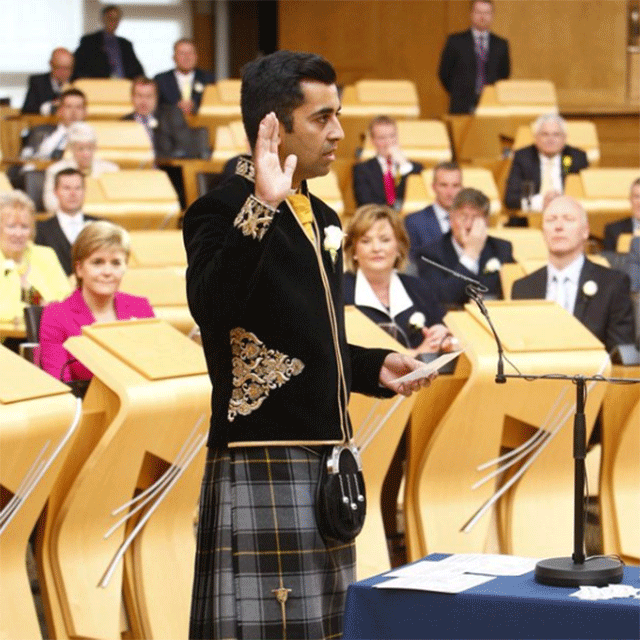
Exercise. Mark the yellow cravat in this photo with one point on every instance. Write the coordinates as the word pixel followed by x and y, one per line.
pixel 185 90
pixel 302 208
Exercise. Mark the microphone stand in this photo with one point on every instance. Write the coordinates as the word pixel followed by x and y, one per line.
pixel 576 570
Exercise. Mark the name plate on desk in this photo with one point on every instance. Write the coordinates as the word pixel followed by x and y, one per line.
pixel 151 347
pixel 536 325
pixel 20 380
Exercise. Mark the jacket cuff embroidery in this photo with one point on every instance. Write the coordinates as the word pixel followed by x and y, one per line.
pixel 256 370
pixel 254 218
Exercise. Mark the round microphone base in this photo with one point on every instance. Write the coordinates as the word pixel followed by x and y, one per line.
pixel 564 572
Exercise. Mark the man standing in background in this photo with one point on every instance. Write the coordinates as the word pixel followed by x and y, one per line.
pixel 472 59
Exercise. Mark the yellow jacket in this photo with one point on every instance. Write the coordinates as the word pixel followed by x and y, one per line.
pixel 45 274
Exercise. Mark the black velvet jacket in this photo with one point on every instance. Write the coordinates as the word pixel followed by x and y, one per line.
pixel 269 306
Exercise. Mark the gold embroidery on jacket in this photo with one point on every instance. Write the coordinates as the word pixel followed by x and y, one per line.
pixel 256 371
pixel 254 218
pixel 246 169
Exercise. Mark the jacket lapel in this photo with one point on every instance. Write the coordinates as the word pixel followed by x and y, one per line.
pixel 582 301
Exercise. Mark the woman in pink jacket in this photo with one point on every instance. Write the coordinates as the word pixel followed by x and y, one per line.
pixel 99 256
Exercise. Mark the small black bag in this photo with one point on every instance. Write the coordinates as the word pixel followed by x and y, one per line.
pixel 341 502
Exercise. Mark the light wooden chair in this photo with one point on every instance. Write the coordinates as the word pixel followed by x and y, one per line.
pixel 418 191
pixel 528 244
pixel 467 418
pixel 106 97
pixel 37 429
pixel 231 141
pixel 145 423
pixel 580 133
pixel 166 290
pixel 124 142
pixel 378 426
pixel 603 192
pixel 135 199
pixel 327 189
pixel 623 245
pixel 5 185
pixel 620 468
pixel 425 141
pixel 157 249
pixel 518 98
pixel 221 98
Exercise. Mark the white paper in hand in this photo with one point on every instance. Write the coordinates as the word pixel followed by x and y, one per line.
pixel 428 369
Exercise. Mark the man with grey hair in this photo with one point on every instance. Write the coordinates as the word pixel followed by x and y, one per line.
pixel 81 143
pixel 597 296
pixel 539 170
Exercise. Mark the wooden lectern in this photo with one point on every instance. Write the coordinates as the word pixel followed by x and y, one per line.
pixel 36 432
pixel 469 419
pixel 378 426
pixel 145 425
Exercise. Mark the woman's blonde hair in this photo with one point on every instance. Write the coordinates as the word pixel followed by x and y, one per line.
pixel 363 219
pixel 16 202
pixel 100 234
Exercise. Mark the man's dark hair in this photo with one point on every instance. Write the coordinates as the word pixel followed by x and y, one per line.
pixel 111 7
pixel 272 83
pixel 69 171
pixel 73 92
pixel 472 197
pixel 448 165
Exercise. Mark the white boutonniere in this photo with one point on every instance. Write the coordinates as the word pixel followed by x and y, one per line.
pixel 493 266
pixel 590 288
pixel 9 265
pixel 333 241
pixel 198 87
pixel 417 320
pixel 152 122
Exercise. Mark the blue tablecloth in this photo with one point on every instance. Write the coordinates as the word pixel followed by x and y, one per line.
pixel 511 607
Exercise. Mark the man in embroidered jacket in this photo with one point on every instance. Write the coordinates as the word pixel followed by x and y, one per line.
pixel 267 297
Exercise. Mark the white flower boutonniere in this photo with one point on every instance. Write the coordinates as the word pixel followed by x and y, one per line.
pixel 493 266
pixel 417 320
pixel 152 122
pixel 198 87
pixel 333 241
pixel 590 288
pixel 9 265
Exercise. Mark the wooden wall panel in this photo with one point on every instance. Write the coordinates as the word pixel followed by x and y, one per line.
pixel 579 44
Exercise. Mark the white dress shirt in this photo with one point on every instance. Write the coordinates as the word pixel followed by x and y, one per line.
pixel 465 260
pixel 71 224
pixel 365 296
pixel 402 169
pixel 562 286
pixel 537 200
pixel 442 216
pixel 185 83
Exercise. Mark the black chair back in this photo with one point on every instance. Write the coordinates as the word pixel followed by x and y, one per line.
pixel 200 144
pixel 32 315
pixel 34 187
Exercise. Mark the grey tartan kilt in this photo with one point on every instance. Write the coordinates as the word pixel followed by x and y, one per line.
pixel 258 544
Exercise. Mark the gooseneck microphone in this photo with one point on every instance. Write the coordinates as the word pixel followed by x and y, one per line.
pixel 474 290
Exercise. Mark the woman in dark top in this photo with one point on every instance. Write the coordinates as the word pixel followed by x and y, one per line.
pixel 376 246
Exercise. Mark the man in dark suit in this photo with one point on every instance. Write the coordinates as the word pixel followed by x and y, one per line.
pixel 429 224
pixel 539 170
pixel 466 249
pixel 184 85
pixel 382 179
pixel 43 94
pixel 102 54
pixel 60 231
pixel 165 124
pixel 597 296
pixel 473 58
pixel 627 225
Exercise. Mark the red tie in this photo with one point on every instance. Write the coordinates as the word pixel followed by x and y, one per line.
pixel 389 183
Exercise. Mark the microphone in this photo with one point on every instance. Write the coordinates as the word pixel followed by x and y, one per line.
pixel 474 290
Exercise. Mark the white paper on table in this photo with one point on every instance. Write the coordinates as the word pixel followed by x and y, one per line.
pixel 440 582
pixel 429 368
pixel 491 564
pixel 420 568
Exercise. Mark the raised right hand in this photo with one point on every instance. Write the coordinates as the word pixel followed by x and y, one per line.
pixel 273 182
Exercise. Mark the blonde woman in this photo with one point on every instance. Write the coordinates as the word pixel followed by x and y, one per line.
pixel 99 256
pixel 29 273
